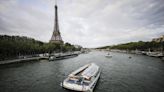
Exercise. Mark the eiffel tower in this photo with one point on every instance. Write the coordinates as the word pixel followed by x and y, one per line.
pixel 56 37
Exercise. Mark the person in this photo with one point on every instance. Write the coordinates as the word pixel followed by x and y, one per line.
pixel 80 80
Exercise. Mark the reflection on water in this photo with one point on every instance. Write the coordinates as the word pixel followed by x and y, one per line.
pixel 119 74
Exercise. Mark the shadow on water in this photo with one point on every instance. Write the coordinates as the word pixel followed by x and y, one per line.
pixel 19 64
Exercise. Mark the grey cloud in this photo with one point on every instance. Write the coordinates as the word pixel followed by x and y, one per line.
pixel 27 21
pixel 146 12
pixel 89 23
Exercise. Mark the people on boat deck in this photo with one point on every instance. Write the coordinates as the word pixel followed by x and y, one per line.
pixel 80 80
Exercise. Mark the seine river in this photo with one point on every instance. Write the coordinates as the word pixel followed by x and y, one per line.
pixel 118 74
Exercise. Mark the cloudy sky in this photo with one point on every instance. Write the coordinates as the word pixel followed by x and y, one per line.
pixel 90 23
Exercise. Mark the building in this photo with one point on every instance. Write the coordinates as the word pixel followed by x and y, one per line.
pixel 77 46
pixel 56 37
pixel 160 39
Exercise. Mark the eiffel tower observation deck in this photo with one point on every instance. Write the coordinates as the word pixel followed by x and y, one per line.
pixel 56 37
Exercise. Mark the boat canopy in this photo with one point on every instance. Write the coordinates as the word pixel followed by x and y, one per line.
pixel 90 71
pixel 78 70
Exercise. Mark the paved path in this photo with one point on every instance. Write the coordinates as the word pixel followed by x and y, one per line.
pixel 21 60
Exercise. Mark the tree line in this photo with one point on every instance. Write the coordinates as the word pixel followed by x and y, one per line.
pixel 14 46
pixel 143 46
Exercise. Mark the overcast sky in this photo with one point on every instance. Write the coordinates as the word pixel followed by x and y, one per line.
pixel 90 23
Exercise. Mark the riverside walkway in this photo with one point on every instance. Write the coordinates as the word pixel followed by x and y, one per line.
pixel 21 60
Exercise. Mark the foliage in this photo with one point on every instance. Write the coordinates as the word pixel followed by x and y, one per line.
pixel 14 46
pixel 137 45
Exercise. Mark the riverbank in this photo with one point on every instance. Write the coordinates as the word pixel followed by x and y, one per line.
pixel 22 60
pixel 56 56
pixel 148 53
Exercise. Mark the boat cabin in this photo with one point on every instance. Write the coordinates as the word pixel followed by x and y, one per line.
pixel 84 75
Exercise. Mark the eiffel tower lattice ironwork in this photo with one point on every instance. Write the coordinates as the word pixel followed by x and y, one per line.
pixel 56 37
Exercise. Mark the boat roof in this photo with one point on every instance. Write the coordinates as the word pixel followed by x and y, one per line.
pixel 75 72
pixel 90 71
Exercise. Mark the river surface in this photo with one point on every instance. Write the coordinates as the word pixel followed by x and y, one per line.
pixel 118 74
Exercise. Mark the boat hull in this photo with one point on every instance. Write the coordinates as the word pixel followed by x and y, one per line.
pixel 62 57
pixel 108 56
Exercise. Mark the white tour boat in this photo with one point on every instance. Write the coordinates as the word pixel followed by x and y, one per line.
pixel 108 55
pixel 83 79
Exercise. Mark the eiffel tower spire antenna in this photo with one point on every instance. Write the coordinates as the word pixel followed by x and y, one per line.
pixel 55 2
pixel 56 37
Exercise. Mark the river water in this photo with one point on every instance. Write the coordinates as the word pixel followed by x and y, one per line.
pixel 118 74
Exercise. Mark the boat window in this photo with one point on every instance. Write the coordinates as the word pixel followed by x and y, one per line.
pixel 80 80
pixel 71 81
pixel 85 83
pixel 97 73
pixel 90 71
